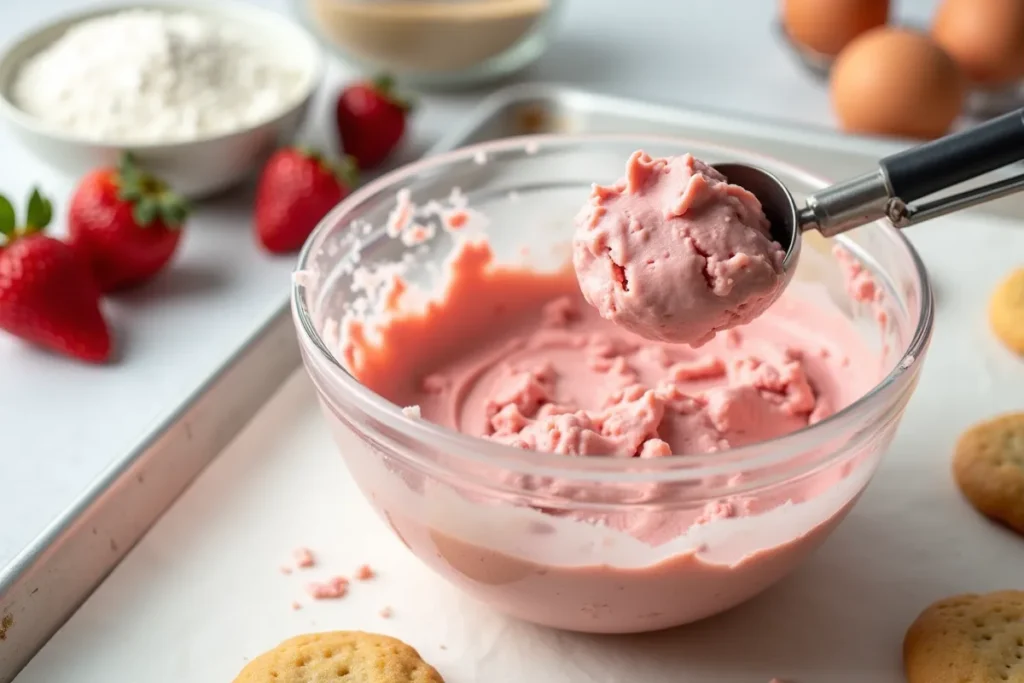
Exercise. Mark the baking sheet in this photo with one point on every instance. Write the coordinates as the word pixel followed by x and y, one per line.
pixel 202 593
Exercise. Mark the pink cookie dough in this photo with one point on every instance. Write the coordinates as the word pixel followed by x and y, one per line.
pixel 517 357
pixel 673 252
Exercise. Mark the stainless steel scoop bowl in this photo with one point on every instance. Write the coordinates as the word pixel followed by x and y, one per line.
pixel 889 190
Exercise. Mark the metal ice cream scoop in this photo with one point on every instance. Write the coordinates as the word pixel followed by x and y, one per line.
pixel 887 192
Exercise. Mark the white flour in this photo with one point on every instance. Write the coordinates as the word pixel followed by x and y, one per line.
pixel 154 76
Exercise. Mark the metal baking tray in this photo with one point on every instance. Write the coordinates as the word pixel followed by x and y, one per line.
pixel 48 582
pixel 537 108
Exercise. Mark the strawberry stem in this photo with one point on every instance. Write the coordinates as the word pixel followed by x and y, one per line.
pixel 384 84
pixel 38 216
pixel 346 170
pixel 151 198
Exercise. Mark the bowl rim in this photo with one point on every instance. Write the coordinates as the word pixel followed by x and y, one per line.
pixel 268 20
pixel 482 452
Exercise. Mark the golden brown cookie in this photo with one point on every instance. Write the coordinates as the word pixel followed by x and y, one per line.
pixel 1006 311
pixel 968 638
pixel 340 657
pixel 988 466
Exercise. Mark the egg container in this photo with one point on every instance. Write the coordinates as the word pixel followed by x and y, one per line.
pixel 980 103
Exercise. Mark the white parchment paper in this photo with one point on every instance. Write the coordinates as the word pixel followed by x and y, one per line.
pixel 202 593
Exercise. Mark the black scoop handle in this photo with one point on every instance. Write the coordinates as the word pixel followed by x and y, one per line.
pixel 948 161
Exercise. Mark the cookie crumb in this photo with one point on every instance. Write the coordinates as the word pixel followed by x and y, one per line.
pixel 385 613
pixel 304 558
pixel 296 606
pixel 332 589
pixel 5 625
pixel 365 573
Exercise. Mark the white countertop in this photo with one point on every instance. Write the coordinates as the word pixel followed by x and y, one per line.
pixel 62 423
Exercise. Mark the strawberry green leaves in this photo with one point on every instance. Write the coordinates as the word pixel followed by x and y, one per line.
pixel 7 218
pixel 151 199
pixel 40 212
pixel 38 216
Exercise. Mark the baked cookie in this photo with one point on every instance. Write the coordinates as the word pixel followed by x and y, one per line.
pixel 1006 311
pixel 340 657
pixel 988 466
pixel 973 638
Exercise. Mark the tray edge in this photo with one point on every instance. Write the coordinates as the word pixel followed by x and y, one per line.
pixel 47 582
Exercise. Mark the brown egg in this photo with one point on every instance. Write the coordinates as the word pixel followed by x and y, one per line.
pixel 985 36
pixel 898 82
pixel 827 26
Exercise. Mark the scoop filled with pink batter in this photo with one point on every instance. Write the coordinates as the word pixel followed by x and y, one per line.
pixel 673 252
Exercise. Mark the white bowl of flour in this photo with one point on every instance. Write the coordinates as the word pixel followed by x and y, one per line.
pixel 200 91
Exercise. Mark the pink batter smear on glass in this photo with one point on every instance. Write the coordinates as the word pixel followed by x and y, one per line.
pixel 517 357
pixel 673 252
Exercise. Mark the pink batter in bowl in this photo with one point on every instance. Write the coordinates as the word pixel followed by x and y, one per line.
pixel 551 538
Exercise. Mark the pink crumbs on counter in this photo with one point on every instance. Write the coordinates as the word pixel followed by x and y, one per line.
pixel 296 606
pixel 365 573
pixel 332 589
pixel 303 558
pixel 385 613
pixel 457 220
pixel 285 570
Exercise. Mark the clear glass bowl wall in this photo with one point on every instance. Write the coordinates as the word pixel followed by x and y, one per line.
pixel 438 43
pixel 459 503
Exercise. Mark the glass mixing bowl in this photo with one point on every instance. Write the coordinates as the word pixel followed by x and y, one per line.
pixel 460 504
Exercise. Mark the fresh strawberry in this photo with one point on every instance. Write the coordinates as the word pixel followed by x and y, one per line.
pixel 47 294
pixel 371 120
pixel 126 222
pixel 296 189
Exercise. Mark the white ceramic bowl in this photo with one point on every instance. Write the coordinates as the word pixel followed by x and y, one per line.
pixel 195 168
